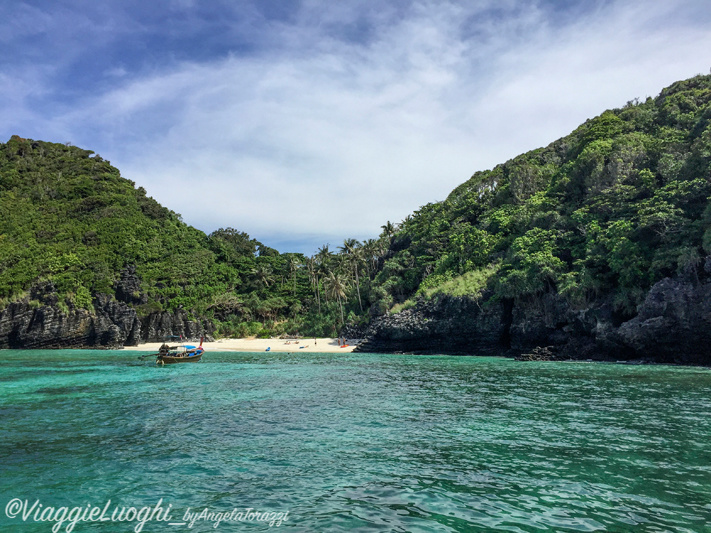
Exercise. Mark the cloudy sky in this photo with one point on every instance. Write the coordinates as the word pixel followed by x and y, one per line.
pixel 307 122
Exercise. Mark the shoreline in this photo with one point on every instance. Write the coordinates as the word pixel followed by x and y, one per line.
pixel 318 345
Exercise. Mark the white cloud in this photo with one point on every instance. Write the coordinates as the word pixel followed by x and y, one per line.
pixel 334 129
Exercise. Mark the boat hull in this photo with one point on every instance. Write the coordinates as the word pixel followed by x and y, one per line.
pixel 171 360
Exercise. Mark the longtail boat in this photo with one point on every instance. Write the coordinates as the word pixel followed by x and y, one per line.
pixel 168 355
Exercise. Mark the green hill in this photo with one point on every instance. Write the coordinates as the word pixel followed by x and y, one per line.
pixel 610 209
pixel 596 245
pixel 70 219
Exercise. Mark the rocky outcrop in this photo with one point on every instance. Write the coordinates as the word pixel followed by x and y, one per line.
pixel 672 325
pixel 540 353
pixel 128 287
pixel 549 321
pixel 157 326
pixel 444 325
pixel 40 322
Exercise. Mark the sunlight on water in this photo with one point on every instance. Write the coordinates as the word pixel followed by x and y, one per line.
pixel 361 442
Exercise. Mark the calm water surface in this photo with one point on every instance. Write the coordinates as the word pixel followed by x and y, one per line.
pixel 354 442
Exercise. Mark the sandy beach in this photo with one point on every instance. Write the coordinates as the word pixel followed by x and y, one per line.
pixel 324 345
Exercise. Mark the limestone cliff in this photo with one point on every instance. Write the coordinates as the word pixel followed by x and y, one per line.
pixel 38 321
pixel 673 325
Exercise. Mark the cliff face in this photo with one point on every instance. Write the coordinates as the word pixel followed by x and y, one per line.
pixel 673 325
pixel 157 326
pixel 23 325
pixel 39 322
pixel 448 325
pixel 112 325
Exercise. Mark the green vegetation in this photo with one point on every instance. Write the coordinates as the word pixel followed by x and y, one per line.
pixel 605 212
pixel 69 217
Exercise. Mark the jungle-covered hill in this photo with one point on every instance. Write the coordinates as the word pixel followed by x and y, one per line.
pixel 598 242
pixel 585 227
pixel 610 209
pixel 68 219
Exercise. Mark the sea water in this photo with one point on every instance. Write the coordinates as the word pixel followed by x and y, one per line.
pixel 351 442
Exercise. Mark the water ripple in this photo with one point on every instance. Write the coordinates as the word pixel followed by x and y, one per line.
pixel 365 442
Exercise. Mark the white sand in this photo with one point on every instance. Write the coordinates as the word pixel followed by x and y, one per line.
pixel 261 345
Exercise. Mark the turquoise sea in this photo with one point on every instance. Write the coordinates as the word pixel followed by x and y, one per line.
pixel 352 442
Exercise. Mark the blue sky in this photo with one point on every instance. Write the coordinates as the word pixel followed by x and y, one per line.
pixel 308 122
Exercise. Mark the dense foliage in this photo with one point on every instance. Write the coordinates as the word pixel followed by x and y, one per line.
pixel 605 212
pixel 69 218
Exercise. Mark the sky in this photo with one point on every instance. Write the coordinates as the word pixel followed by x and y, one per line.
pixel 306 122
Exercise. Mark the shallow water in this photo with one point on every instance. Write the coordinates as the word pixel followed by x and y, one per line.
pixel 359 442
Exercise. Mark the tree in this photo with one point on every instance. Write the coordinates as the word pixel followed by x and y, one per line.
pixel 336 285
pixel 323 260
pixel 389 229
pixel 352 251
pixel 263 274
pixel 293 265
pixel 314 280
pixel 372 251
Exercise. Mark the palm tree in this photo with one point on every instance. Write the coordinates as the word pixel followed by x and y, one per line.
pixel 323 256
pixel 371 252
pixel 313 279
pixel 293 265
pixel 336 285
pixel 263 274
pixel 323 260
pixel 389 229
pixel 351 249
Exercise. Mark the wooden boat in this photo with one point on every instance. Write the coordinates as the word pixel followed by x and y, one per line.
pixel 168 355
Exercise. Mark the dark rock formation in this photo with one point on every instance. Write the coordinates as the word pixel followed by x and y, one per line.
pixel 39 322
pixel 673 325
pixel 157 326
pixel 541 353
pixel 351 331
pixel 549 321
pixel 25 325
pixel 444 325
pixel 128 288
